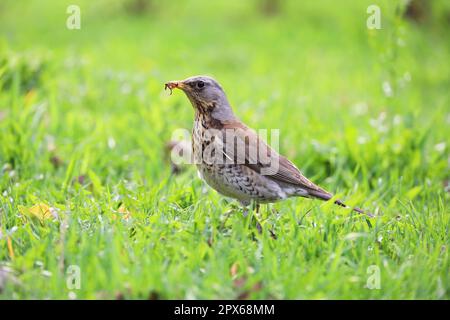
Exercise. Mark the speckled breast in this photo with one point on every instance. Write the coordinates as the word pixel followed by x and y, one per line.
pixel 232 180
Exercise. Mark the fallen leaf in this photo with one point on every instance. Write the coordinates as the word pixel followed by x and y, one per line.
pixel 41 211
pixel 240 282
pixel 234 269
pixel 56 161
pixel 154 295
pixel 123 211
pixel 246 293
pixel 120 296
pixel 10 248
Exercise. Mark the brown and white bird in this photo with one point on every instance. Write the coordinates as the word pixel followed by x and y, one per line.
pixel 232 158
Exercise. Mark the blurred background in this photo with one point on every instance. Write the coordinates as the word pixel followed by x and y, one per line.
pixel 84 122
pixel 311 68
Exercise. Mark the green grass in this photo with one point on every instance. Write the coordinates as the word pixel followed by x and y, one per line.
pixel 93 100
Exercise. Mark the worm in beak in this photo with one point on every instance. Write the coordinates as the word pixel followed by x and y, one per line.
pixel 171 85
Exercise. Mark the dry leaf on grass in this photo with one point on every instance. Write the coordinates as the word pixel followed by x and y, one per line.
pixel 241 282
pixel 123 211
pixel 10 247
pixel 40 211
pixel 234 269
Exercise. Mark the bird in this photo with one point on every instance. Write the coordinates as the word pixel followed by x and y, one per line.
pixel 233 159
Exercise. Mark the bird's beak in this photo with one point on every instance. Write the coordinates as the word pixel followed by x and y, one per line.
pixel 174 84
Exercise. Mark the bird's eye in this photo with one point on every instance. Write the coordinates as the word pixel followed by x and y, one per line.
pixel 200 84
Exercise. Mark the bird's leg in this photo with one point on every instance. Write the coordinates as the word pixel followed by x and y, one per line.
pixel 259 227
pixel 256 216
pixel 245 209
pixel 227 215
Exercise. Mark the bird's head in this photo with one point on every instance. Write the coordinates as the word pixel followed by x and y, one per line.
pixel 206 95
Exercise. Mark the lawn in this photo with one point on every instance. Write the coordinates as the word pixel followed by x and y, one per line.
pixel 89 207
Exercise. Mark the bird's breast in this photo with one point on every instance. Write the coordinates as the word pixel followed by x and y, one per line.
pixel 203 137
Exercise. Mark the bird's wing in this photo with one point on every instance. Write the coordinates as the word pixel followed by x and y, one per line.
pixel 261 158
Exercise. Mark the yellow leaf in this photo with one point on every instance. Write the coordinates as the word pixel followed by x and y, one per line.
pixel 234 269
pixel 123 210
pixel 41 211
pixel 10 248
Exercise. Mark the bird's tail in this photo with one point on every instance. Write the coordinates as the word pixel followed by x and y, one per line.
pixel 323 195
pixel 356 209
